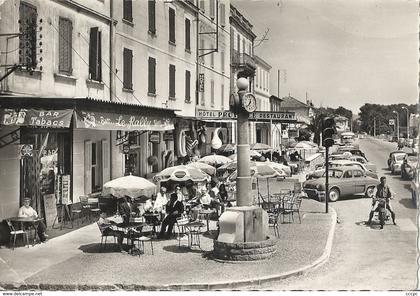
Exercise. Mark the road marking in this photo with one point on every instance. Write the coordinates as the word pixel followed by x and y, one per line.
pixel 406 225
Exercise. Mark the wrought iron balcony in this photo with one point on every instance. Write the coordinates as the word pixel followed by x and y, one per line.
pixel 245 62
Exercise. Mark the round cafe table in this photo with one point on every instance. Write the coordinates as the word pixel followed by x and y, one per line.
pixel 206 213
pixel 27 222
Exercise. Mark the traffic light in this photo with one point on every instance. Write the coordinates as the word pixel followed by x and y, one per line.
pixel 328 130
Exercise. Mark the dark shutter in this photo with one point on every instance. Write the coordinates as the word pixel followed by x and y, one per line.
pixel 212 93
pixel 93 42
pixel 187 34
pixel 128 10
pixel 27 41
pixel 171 25
pixel 152 76
pixel 128 68
pixel 222 61
pixel 222 15
pixel 202 4
pixel 172 81
pixel 187 86
pixel 99 57
pixel 222 96
pixel 152 16
pixel 212 8
pixel 65 46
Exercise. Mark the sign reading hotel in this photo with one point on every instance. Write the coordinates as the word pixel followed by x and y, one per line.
pixel 257 116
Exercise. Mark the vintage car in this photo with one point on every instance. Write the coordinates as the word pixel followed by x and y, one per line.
pixel 397 159
pixel 390 157
pixel 415 187
pixel 408 166
pixel 352 150
pixel 369 165
pixel 338 163
pixel 343 181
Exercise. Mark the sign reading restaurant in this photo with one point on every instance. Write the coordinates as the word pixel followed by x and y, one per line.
pixel 258 115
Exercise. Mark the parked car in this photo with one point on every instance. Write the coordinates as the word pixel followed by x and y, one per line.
pixel 369 165
pixel 415 187
pixel 352 150
pixel 408 166
pixel 343 181
pixel 397 160
pixel 390 157
pixel 338 163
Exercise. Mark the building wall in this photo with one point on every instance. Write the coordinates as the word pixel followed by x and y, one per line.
pixel 49 82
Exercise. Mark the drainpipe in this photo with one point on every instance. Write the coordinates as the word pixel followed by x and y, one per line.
pixel 111 75
pixel 197 93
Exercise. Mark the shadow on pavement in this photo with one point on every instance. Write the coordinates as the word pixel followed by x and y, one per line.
pixel 96 248
pixel 182 249
pixel 407 202
pixel 373 225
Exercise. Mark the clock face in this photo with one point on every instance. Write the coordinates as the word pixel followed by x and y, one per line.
pixel 249 103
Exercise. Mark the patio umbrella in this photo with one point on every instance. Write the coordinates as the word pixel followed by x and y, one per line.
pixel 132 186
pixel 227 148
pixel 181 173
pixel 215 160
pixel 260 146
pixel 261 170
pixel 252 153
pixel 208 169
pixel 305 145
pixel 286 169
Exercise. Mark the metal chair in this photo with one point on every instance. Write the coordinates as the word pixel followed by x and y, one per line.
pixel 103 235
pixel 182 233
pixel 140 238
pixel 273 221
pixel 14 233
pixel 291 207
pixel 75 212
pixel 93 203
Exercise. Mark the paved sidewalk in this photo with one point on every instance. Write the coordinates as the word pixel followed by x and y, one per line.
pixel 72 261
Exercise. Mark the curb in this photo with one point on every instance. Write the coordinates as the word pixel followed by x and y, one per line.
pixel 189 286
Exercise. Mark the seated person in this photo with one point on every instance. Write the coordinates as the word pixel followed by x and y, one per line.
pixel 208 202
pixel 174 210
pixel 126 209
pixel 179 193
pixel 153 206
pixel 223 194
pixel 106 228
pixel 27 211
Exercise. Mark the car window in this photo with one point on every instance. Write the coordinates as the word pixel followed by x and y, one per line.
pixel 334 174
pixel 399 157
pixel 357 174
pixel 361 160
pixel 347 174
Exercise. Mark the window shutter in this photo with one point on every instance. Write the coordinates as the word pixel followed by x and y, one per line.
pixel 99 57
pixel 152 16
pixel 202 51
pixel 212 93
pixel 128 68
pixel 222 15
pixel 212 59
pixel 172 81
pixel 187 34
pixel 222 61
pixel 152 76
pixel 105 162
pixel 93 49
pixel 222 95
pixel 28 16
pixel 65 46
pixel 88 166
pixel 212 9
pixel 187 86
pixel 171 25
pixel 202 4
pixel 128 10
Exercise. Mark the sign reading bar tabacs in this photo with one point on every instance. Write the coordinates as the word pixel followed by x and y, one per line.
pixel 257 116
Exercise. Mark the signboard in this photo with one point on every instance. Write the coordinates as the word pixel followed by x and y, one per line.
pixel 36 117
pixel 257 116
pixel 201 82
pixel 26 150
pixel 392 122
pixel 168 136
pixel 154 138
pixel 118 121
pixel 50 208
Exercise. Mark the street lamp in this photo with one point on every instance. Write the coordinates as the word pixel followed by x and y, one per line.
pixel 408 123
pixel 398 125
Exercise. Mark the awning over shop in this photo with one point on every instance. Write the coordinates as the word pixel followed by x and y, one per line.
pixel 57 118
pixel 122 121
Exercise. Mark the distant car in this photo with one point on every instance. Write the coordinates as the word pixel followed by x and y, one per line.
pixel 352 150
pixel 415 187
pixel 343 181
pixel 338 163
pixel 390 157
pixel 369 165
pixel 409 166
pixel 397 160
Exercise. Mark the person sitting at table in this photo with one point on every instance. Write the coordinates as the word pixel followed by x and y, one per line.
pixel 223 194
pixel 174 210
pixel 126 209
pixel 153 206
pixel 107 229
pixel 179 194
pixel 208 201
pixel 162 199
pixel 27 211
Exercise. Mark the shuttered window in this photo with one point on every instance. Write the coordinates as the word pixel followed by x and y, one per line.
pixel 171 25
pixel 212 8
pixel 222 61
pixel 95 54
pixel 222 14
pixel 152 16
pixel 212 93
pixel 172 81
pixel 202 51
pixel 27 41
pixel 65 46
pixel 128 10
pixel 238 46
pixel 222 96
pixel 212 59
pixel 128 68
pixel 152 76
pixel 202 4
pixel 88 167
pixel 187 86
pixel 243 46
pixel 187 34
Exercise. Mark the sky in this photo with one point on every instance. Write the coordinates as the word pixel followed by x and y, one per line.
pixel 340 52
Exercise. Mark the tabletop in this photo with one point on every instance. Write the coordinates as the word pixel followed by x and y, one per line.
pixel 25 219
pixel 206 212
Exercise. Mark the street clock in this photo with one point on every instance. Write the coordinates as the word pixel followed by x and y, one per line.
pixel 234 103
pixel 249 103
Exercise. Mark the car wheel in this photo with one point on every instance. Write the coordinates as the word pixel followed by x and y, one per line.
pixel 333 195
pixel 369 191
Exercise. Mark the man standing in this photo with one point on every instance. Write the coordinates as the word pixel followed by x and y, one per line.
pixel 382 192
pixel 27 211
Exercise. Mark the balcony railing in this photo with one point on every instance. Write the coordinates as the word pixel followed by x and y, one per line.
pixel 243 60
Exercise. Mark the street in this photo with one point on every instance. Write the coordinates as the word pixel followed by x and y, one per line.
pixel 364 257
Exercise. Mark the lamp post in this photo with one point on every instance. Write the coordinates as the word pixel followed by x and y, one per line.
pixel 398 125
pixel 408 123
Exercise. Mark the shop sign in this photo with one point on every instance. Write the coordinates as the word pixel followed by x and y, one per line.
pixel 26 150
pixel 154 138
pixel 168 136
pixel 36 117
pixel 201 82
pixel 257 116
pixel 126 148
pixel 118 121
